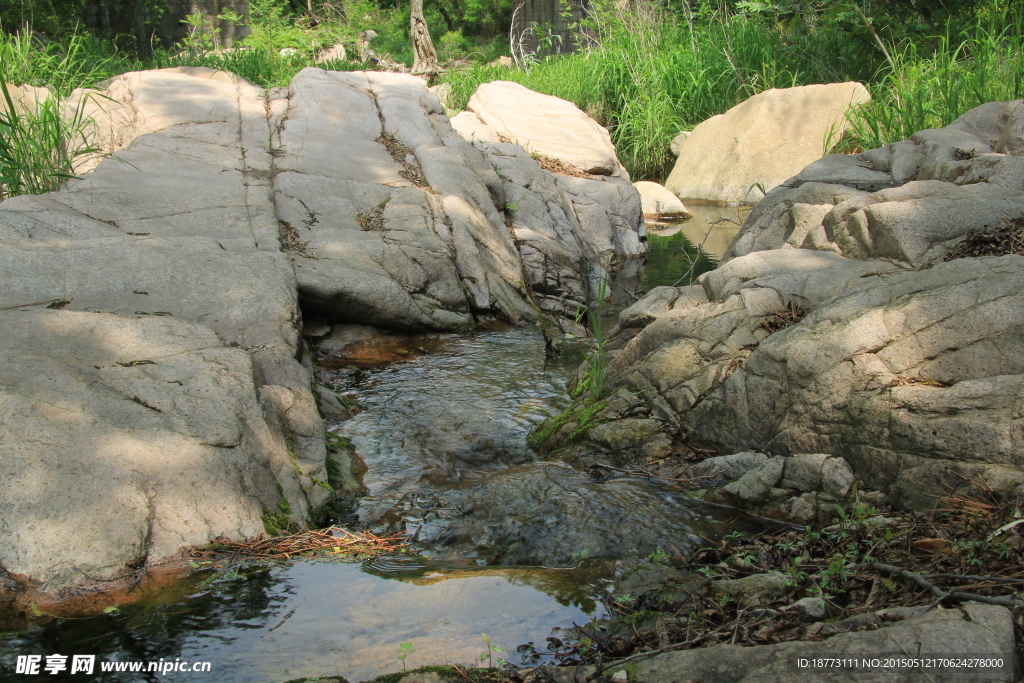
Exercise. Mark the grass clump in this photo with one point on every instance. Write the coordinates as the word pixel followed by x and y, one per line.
pixel 39 144
pixel 929 84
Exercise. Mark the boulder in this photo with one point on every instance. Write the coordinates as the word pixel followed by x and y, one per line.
pixel 818 472
pixel 761 141
pixel 605 208
pixel 909 202
pixel 121 241
pixel 898 371
pixel 676 146
pixel 753 590
pixel 127 439
pixel 889 371
pixel 336 52
pixel 392 215
pixel 754 485
pixel 541 124
pixel 659 204
pixel 973 628
pixel 26 98
pixel 729 466
pixel 562 262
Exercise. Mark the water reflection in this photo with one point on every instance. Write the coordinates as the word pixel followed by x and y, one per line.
pixel 711 225
pixel 316 618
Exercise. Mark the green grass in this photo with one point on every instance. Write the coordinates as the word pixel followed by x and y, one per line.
pixel 648 75
pixel 62 65
pixel 978 62
pixel 39 144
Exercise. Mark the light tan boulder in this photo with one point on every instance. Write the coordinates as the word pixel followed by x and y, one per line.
pixel 761 142
pixel 26 98
pixel 542 124
pixel 334 53
pixel 659 204
pixel 910 201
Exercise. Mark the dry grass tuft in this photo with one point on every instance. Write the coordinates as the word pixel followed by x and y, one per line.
pixel 1007 239
pixel 334 539
pixel 787 317
pixel 373 219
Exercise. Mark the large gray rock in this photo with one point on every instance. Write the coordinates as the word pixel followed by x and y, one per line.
pixel 121 240
pixel 761 141
pixel 562 262
pixel 909 202
pixel 503 111
pixel 974 629
pixel 807 352
pixel 897 371
pixel 396 211
pixel 818 472
pixel 591 183
pixel 755 484
pixel 686 351
pixel 127 439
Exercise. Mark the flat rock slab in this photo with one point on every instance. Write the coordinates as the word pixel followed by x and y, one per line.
pixel 974 631
pixel 126 439
pixel 174 232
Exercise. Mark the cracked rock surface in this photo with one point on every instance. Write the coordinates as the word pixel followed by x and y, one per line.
pixel 835 325
pixel 152 394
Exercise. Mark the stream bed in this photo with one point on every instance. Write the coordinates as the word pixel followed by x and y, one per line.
pixel 506 544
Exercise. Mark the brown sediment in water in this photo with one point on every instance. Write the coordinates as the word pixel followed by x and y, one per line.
pixel 22 608
pixel 384 348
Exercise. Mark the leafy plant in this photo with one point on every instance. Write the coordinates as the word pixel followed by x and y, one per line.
pixel 404 650
pixel 489 652
pixel 659 556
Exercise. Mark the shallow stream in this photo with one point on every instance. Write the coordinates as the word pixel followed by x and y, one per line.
pixel 508 545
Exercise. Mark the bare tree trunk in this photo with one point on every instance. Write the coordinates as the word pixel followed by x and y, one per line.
pixel 425 58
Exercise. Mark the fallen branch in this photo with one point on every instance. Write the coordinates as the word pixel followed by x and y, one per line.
pixel 333 538
pixel 940 594
pixel 974 577
pixel 643 474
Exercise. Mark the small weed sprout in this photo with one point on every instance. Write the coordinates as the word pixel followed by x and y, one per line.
pixel 404 650
pixel 489 652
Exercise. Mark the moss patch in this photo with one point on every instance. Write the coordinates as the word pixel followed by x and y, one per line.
pixel 450 672
pixel 582 414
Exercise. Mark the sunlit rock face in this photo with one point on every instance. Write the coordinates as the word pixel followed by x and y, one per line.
pixel 126 439
pixel 212 209
pixel 854 321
